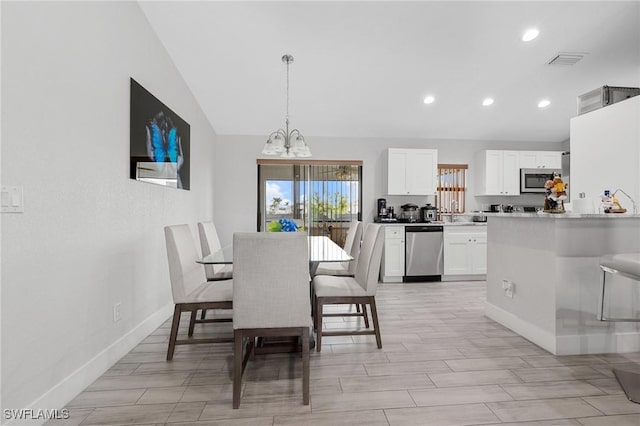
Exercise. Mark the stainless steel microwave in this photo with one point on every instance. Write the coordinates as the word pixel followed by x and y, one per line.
pixel 532 180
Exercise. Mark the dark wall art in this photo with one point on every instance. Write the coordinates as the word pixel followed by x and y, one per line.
pixel 159 141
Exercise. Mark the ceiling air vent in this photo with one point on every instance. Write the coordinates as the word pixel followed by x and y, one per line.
pixel 566 59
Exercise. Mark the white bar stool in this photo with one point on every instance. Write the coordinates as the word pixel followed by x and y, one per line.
pixel 626 265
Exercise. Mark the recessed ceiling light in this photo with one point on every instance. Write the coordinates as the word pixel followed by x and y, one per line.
pixel 429 99
pixel 530 34
pixel 487 102
pixel 544 103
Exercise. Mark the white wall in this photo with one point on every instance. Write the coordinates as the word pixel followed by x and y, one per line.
pixel 236 173
pixel 605 152
pixel 89 235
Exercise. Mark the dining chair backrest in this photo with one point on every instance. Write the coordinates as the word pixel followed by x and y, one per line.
pixel 209 243
pixel 352 244
pixel 368 267
pixel 351 235
pixel 270 280
pixel 186 275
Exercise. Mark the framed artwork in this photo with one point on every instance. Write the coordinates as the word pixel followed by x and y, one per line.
pixel 159 141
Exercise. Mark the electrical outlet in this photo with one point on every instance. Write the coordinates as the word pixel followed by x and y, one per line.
pixel 505 284
pixel 117 314
pixel 509 290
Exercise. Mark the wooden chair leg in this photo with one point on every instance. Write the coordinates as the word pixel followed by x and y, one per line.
pixel 315 313
pixel 251 346
pixel 237 367
pixel 192 321
pixel 357 307
pixel 365 315
pixel 204 314
pixel 305 365
pixel 174 332
pixel 319 324
pixel 374 316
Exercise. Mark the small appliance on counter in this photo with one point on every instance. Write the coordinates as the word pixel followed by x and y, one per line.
pixel 479 217
pixel 409 213
pixel 428 213
pixel 382 208
pixel 384 214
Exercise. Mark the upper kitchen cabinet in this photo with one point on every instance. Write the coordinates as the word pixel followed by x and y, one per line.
pixel 412 171
pixel 540 159
pixel 497 173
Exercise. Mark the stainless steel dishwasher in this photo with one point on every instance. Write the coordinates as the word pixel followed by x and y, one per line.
pixel 424 247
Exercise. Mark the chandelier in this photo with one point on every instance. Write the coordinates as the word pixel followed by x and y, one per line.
pixel 283 142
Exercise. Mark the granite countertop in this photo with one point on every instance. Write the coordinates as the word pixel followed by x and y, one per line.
pixel 568 215
pixel 435 223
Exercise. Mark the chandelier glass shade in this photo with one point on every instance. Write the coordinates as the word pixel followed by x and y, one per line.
pixel 284 142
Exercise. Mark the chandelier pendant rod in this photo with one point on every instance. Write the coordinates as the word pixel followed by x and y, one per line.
pixel 287 139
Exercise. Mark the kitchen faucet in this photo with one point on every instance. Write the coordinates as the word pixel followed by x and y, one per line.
pixel 454 207
pixel 633 203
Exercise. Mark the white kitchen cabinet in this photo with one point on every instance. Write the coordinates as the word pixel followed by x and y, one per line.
pixel 465 250
pixel 412 171
pixel 540 159
pixel 497 173
pixel 393 254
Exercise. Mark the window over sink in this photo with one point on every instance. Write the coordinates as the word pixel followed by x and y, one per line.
pixel 452 183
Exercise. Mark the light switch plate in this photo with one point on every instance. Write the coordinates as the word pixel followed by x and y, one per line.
pixel 12 199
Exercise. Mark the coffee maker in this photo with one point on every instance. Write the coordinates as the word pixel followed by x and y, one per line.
pixel 382 208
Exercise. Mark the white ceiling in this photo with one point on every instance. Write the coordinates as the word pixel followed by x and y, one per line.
pixel 362 69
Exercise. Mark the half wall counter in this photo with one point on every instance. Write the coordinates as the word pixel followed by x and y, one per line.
pixel 543 280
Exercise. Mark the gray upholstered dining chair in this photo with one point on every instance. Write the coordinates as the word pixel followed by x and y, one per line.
pixel 209 243
pixel 190 289
pixel 360 289
pixel 270 296
pixel 352 246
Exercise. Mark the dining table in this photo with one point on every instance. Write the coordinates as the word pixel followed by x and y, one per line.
pixel 321 249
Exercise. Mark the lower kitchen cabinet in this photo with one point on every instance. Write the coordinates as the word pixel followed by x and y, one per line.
pixel 465 250
pixel 393 258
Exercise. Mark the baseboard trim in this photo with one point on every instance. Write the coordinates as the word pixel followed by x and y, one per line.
pixel 448 278
pixel 69 387
pixel 540 337
pixel 599 343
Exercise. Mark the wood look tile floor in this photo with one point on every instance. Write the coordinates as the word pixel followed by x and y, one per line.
pixel 443 363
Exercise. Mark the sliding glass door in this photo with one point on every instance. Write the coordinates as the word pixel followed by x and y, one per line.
pixel 321 196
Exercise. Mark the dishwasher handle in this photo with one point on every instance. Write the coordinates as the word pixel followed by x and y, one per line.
pixel 423 229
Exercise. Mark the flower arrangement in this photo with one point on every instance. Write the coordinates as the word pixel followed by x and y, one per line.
pixel 283 225
pixel 555 195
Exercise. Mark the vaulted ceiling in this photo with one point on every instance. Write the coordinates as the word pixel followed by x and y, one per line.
pixel 362 69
